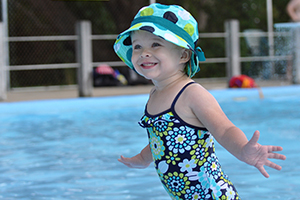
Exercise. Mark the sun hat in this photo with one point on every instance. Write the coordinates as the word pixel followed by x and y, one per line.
pixel 170 22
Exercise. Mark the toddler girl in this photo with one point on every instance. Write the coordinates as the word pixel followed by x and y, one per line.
pixel 181 117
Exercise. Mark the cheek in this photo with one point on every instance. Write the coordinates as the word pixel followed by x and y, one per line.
pixel 135 65
pixel 134 57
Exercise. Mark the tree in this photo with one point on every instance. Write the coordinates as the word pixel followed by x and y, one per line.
pixel 30 17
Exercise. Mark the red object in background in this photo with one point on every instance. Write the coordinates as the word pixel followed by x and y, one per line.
pixel 105 70
pixel 242 81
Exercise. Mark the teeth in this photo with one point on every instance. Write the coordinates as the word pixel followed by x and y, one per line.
pixel 148 64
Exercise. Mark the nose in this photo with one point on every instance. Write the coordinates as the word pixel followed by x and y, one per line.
pixel 145 53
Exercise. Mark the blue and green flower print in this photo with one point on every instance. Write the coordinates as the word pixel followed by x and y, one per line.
pixel 185 159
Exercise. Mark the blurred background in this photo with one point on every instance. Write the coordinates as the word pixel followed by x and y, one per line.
pixel 28 20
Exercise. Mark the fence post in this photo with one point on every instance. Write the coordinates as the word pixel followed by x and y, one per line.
pixel 3 71
pixel 84 58
pixel 232 42
pixel 296 56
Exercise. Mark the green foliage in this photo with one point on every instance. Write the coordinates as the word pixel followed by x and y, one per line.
pixel 251 15
pixel 96 12
pixel 34 18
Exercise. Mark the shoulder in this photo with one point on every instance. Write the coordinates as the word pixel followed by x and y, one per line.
pixel 197 91
pixel 197 96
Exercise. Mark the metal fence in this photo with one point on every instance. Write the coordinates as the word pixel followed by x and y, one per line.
pixel 42 34
pixel 84 61
pixel 37 59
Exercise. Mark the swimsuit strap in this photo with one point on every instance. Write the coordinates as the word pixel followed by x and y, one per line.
pixel 179 93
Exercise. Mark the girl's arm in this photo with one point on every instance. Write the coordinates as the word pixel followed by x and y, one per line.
pixel 210 114
pixel 140 161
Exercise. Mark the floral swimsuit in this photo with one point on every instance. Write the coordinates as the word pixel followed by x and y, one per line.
pixel 184 157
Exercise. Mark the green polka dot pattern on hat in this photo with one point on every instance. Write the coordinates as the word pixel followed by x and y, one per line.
pixel 171 22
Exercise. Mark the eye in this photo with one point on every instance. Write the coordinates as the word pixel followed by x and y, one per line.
pixel 137 46
pixel 155 44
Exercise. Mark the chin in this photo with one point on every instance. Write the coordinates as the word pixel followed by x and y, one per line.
pixel 143 74
pixel 147 77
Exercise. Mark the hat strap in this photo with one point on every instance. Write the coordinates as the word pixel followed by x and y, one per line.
pixel 200 54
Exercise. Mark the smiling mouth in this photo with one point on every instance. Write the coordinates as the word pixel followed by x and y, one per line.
pixel 148 65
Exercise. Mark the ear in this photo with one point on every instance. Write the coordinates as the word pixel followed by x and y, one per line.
pixel 185 55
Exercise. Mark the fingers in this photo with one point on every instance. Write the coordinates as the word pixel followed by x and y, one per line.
pixel 122 159
pixel 255 137
pixel 273 165
pixel 277 156
pixel 263 171
pixel 272 155
pixel 270 164
pixel 274 148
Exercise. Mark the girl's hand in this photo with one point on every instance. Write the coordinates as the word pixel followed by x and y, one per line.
pixel 134 162
pixel 258 155
pixel 140 161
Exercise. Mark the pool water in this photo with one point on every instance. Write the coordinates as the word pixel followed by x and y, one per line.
pixel 68 149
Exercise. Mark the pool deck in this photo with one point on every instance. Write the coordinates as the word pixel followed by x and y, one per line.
pixel 31 94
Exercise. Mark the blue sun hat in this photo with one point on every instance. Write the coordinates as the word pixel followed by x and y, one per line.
pixel 171 22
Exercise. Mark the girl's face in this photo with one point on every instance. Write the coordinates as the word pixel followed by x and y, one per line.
pixel 155 58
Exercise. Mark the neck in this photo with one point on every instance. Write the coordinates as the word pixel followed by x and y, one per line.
pixel 169 82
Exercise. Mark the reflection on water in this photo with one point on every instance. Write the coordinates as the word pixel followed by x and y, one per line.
pixel 68 149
